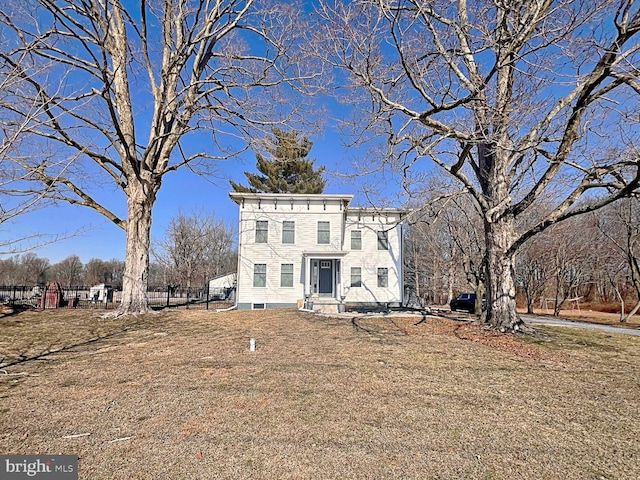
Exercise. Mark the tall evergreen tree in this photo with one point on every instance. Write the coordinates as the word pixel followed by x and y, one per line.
pixel 286 170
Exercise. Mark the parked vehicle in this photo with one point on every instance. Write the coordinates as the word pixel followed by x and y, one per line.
pixel 465 301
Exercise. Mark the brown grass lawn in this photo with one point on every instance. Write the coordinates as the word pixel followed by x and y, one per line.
pixel 178 395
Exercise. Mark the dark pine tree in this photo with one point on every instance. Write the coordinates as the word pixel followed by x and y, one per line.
pixel 286 169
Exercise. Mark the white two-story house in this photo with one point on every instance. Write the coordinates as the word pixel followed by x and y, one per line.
pixel 302 249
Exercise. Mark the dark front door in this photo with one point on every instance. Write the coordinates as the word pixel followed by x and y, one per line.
pixel 325 278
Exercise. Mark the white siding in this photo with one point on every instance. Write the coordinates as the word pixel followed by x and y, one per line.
pixel 369 259
pixel 306 212
pixel 274 253
pixel 226 281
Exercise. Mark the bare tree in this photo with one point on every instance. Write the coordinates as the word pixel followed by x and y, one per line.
pixel 533 271
pixel 32 270
pixel 69 271
pixel 569 259
pixel 16 197
pixel 96 271
pixel 9 270
pixel 464 225
pixel 512 99
pixel 119 91
pixel 620 225
pixel 13 203
pixel 195 247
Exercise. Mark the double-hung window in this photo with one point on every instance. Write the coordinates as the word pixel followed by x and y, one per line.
pixel 356 276
pixel 260 275
pixel 383 240
pixel 288 231
pixel 286 275
pixel 356 239
pixel 324 233
pixel 262 231
pixel 383 277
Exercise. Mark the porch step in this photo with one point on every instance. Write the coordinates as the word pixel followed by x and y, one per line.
pixel 326 306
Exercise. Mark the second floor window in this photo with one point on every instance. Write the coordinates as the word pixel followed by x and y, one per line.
pixel 288 232
pixel 383 240
pixel 324 232
pixel 262 231
pixel 356 240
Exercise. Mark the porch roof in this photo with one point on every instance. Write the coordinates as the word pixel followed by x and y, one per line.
pixel 325 254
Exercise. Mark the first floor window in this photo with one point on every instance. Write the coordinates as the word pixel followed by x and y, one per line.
pixel 383 277
pixel 260 275
pixel 286 275
pixel 356 277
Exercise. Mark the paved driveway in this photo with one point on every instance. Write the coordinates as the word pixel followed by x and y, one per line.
pixel 571 323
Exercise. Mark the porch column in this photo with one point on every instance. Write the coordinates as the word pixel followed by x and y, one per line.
pixel 307 276
pixel 339 279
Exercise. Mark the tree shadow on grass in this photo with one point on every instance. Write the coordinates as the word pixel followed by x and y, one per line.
pixel 22 358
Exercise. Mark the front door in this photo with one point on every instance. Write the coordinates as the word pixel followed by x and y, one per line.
pixel 325 278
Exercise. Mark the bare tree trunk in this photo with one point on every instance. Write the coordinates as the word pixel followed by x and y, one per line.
pixel 480 293
pixel 450 281
pixel 501 290
pixel 136 266
pixel 632 312
pixel 620 298
pixel 530 300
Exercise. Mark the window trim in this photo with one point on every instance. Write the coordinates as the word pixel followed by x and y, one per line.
pixel 288 274
pixel 383 277
pixel 359 276
pixel 292 231
pixel 358 238
pixel 262 235
pixel 327 232
pixel 259 274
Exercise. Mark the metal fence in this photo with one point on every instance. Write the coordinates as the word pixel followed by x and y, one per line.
pixel 104 297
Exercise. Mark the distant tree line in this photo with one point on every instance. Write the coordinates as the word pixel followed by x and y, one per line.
pixel 30 269
pixel 194 248
pixel 594 257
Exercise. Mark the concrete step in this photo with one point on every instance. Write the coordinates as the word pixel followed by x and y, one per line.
pixel 326 307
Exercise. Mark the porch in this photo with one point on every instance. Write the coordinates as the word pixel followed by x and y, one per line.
pixel 323 282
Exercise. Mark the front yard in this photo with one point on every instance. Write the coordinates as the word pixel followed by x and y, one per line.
pixel 178 395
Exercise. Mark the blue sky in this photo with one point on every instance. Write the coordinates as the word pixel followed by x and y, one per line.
pixel 181 190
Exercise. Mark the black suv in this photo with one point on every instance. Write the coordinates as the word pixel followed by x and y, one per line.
pixel 465 301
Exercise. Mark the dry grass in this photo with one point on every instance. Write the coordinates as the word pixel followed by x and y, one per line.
pixel 178 395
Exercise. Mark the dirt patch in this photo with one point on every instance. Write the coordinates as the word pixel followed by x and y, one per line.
pixel 179 395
